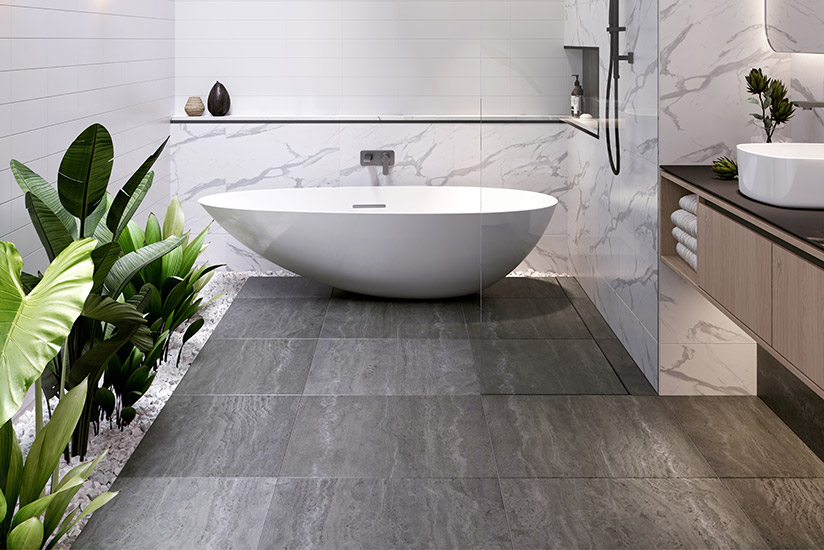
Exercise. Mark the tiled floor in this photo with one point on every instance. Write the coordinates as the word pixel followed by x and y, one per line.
pixel 315 418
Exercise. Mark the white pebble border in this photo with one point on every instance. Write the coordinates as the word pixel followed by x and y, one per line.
pixel 121 444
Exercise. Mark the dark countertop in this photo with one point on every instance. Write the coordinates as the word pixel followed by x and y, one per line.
pixel 807 225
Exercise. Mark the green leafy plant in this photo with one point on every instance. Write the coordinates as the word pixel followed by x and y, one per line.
pixel 32 327
pixel 167 292
pixel 78 208
pixel 771 96
pixel 725 168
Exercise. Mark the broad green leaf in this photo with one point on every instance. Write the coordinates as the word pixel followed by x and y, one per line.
pixel 38 507
pixel 191 330
pixel 93 506
pixel 29 281
pixel 34 326
pixel 50 443
pixel 152 272
pixel 11 470
pixel 132 238
pixel 134 203
pixel 124 197
pixel 173 219
pixel 104 257
pixel 170 264
pixel 129 265
pixel 32 183
pixel 193 250
pixel 85 170
pixel 104 308
pixel 154 233
pixel 93 221
pixel 68 487
pixel 26 536
pixel 49 228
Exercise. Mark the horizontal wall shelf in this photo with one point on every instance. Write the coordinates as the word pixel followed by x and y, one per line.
pixel 349 119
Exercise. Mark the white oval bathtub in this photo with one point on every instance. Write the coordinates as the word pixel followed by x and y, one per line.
pixel 398 242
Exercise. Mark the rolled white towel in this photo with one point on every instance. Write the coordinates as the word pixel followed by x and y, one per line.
pixel 689 203
pixel 688 255
pixel 686 221
pixel 685 238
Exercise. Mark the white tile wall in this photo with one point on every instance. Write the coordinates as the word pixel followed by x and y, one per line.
pixel 65 65
pixel 379 57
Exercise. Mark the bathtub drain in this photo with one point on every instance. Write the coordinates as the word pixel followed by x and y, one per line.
pixel 368 206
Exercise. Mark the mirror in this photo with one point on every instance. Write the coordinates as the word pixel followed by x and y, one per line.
pixel 795 26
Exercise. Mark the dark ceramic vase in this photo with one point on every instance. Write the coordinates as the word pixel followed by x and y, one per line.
pixel 219 100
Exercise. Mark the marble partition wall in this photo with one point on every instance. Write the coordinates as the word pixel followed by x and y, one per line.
pixel 613 220
pixel 218 157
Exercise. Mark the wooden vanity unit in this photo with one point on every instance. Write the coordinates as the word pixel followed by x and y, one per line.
pixel 762 265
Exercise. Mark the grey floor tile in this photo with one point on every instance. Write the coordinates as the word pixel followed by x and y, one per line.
pixel 572 287
pixel 215 436
pixel 589 436
pixel 544 367
pixel 787 512
pixel 375 318
pixel 625 367
pixel 249 367
pixel 742 437
pixel 389 437
pixel 525 287
pixel 386 513
pixel 380 366
pixel 524 318
pixel 175 513
pixel 625 513
pixel 284 287
pixel 272 318
pixel 592 318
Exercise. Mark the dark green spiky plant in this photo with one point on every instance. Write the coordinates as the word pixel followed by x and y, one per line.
pixel 776 109
pixel 771 96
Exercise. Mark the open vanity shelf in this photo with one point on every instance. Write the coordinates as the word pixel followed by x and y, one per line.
pixel 761 265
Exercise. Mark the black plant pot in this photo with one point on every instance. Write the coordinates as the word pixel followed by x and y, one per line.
pixel 219 100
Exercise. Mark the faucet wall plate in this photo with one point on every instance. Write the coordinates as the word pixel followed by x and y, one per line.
pixel 377 158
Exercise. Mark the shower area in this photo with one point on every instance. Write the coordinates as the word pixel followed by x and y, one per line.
pixel 469 93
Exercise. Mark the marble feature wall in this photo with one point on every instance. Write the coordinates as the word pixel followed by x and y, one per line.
pixel 613 220
pixel 380 57
pixel 213 158
pixel 707 47
pixel 65 67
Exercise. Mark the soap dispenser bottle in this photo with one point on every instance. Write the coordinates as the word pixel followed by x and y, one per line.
pixel 577 98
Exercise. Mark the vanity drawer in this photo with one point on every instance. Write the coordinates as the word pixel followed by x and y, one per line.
pixel 735 268
pixel 798 312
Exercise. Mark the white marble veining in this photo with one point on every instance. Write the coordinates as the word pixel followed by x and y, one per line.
pixel 795 25
pixel 613 220
pixel 210 158
pixel 707 47
pixel 706 369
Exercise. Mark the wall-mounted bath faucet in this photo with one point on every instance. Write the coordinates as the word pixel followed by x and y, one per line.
pixel 809 105
pixel 378 158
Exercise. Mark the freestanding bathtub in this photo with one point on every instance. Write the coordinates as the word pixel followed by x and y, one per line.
pixel 398 242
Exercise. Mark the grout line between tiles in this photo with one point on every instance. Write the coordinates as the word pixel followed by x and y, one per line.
pixel 717 476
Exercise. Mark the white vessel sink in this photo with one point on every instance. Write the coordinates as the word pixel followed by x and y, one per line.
pixel 782 174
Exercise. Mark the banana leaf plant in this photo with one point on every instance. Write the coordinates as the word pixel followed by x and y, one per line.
pixel 168 293
pixel 33 326
pixel 80 207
